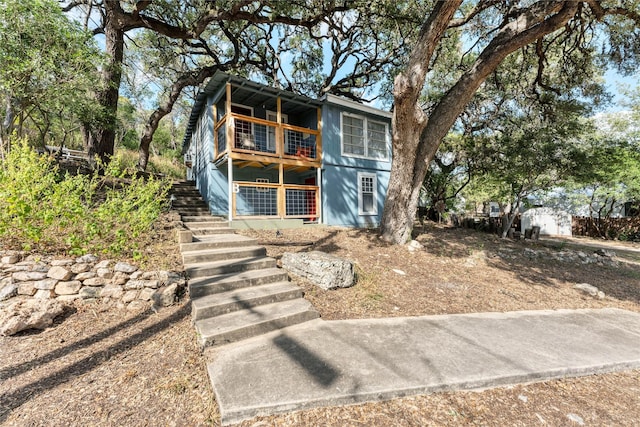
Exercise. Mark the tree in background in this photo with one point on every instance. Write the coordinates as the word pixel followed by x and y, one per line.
pixel 609 173
pixel 187 22
pixel 509 103
pixel 48 71
pixel 493 30
pixel 531 154
pixel 190 41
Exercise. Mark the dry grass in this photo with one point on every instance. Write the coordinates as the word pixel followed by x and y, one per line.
pixel 106 367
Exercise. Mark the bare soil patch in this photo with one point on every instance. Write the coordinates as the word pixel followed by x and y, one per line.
pixel 106 367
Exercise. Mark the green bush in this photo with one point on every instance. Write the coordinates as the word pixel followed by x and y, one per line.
pixel 41 209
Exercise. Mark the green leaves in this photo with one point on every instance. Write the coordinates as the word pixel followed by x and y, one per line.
pixel 49 66
pixel 41 209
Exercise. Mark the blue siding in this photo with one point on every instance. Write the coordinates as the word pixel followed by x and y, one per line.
pixel 340 173
pixel 340 196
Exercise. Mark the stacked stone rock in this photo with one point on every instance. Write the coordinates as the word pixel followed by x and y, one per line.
pixel 86 278
pixel 599 257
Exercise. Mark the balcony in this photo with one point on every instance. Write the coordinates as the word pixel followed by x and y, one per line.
pixel 254 136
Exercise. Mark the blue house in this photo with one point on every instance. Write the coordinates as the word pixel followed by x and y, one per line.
pixel 258 153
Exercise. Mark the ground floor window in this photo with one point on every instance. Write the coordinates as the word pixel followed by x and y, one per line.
pixel 367 184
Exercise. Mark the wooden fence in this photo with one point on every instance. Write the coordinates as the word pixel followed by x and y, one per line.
pixel 608 228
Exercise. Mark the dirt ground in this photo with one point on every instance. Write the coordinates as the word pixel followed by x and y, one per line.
pixel 107 367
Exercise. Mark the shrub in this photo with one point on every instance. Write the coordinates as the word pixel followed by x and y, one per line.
pixel 42 209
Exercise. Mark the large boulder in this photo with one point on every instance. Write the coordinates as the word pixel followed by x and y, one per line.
pixel 29 314
pixel 324 270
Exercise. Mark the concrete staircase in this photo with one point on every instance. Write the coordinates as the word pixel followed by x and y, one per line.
pixel 236 290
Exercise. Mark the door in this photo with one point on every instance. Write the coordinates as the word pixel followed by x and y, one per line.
pixel 272 116
pixel 244 137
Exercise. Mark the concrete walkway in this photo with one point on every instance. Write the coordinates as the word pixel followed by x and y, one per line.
pixel 327 363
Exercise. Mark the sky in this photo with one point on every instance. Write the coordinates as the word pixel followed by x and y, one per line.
pixel 615 84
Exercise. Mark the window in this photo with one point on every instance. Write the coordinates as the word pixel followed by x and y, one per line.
pixel 367 186
pixel 362 137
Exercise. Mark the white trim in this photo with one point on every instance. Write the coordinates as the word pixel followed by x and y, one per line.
pixel 374 193
pixel 344 102
pixel 365 131
pixel 285 117
pixel 235 104
pixel 230 187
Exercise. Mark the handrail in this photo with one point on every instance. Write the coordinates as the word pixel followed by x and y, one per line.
pixel 271 123
pixel 303 153
pixel 275 185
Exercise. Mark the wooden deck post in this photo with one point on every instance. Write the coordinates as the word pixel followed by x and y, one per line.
pixel 232 194
pixel 229 124
pixel 279 130
pixel 319 136
pixel 282 207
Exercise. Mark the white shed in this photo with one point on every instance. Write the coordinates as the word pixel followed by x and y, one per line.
pixel 552 222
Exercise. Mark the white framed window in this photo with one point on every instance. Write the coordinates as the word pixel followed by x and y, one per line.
pixel 367 194
pixel 363 137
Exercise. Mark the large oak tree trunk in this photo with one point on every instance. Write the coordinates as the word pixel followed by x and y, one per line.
pixel 408 122
pixel 101 142
pixel 416 137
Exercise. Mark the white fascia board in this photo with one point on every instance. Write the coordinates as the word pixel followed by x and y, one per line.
pixel 344 102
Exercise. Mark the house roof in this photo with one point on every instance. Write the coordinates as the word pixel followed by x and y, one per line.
pixel 344 102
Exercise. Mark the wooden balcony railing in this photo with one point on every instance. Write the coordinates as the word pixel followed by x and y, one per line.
pixel 244 134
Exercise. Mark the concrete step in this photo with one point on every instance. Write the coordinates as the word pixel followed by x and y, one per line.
pixel 217 241
pixel 245 298
pixel 202 225
pixel 183 185
pixel 201 218
pixel 186 208
pixel 187 197
pixel 247 323
pixel 209 255
pixel 229 266
pixel 208 232
pixel 184 190
pixel 192 211
pixel 179 193
pixel 201 215
pixel 189 204
pixel 189 201
pixel 202 286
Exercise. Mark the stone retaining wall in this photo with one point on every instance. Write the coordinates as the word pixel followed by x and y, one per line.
pixel 86 278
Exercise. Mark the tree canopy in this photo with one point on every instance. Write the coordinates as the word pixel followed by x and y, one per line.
pixel 580 34
pixel 49 68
